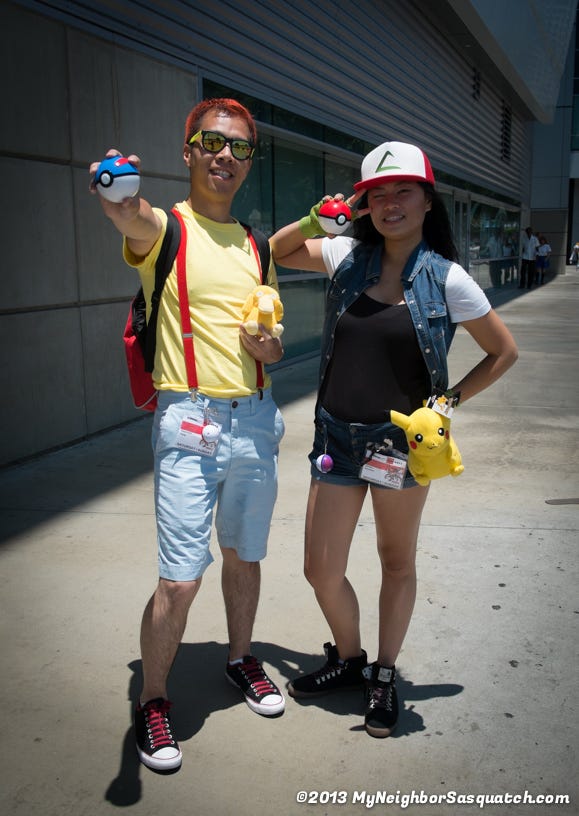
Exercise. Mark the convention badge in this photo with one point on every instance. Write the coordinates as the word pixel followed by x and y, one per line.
pixel 384 466
pixel 443 402
pixel 198 437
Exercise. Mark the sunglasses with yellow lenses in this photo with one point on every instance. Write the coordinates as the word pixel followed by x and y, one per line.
pixel 214 142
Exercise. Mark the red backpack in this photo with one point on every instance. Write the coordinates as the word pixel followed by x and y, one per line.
pixel 140 336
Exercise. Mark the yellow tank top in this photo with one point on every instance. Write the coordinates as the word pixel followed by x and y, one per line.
pixel 221 271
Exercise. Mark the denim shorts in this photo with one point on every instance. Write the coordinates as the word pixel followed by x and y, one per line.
pixel 346 443
pixel 240 480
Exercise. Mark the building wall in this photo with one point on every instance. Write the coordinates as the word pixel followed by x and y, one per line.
pixel 550 171
pixel 527 40
pixel 414 83
pixel 573 229
pixel 550 194
pixel 78 78
pixel 572 84
pixel 66 289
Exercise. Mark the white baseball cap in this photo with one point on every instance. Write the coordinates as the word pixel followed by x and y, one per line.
pixel 394 161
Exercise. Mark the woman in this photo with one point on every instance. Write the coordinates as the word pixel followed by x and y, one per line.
pixel 543 255
pixel 395 299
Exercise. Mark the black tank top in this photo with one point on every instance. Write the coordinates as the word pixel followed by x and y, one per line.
pixel 376 364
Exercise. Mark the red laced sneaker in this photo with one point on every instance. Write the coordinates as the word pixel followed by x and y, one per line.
pixel 261 694
pixel 156 746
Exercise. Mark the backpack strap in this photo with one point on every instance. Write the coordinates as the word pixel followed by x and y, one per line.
pixel 165 260
pixel 261 248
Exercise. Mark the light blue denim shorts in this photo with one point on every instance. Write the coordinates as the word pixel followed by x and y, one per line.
pixel 239 480
pixel 346 443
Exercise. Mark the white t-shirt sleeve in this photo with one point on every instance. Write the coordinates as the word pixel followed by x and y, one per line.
pixel 464 297
pixel 334 250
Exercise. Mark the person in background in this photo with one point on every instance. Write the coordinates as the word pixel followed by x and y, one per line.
pixel 237 473
pixel 543 255
pixel 508 262
pixel 528 259
pixel 395 298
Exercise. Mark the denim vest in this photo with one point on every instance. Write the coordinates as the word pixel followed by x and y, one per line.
pixel 424 282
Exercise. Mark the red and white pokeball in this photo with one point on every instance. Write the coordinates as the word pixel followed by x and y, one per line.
pixel 335 217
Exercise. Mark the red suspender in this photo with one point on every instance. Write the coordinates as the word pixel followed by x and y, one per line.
pixel 186 328
pixel 258 365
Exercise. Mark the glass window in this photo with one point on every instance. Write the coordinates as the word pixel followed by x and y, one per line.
pixel 494 243
pixel 253 204
pixel 340 177
pixel 298 124
pixel 575 124
pixel 298 181
pixel 303 302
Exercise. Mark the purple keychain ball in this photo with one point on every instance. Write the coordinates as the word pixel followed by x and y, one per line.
pixel 116 178
pixel 324 463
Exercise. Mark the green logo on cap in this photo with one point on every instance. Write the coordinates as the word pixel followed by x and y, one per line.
pixel 382 166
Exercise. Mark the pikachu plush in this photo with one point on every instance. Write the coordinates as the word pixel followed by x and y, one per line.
pixel 432 450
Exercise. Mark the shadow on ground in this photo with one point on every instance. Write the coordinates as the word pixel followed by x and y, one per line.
pixel 205 662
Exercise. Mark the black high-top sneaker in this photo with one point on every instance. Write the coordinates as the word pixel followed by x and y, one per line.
pixel 333 675
pixel 381 700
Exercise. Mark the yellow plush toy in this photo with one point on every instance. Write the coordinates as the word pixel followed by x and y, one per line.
pixel 433 452
pixel 263 306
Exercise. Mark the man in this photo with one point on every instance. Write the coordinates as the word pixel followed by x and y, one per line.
pixel 236 473
pixel 528 259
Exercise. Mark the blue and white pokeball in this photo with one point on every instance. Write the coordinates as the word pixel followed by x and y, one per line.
pixel 335 217
pixel 116 178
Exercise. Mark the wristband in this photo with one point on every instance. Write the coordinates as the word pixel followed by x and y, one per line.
pixel 444 402
pixel 309 225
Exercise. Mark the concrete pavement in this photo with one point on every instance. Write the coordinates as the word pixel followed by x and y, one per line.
pixel 488 673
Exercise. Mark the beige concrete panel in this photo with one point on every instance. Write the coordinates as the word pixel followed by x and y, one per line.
pixel 102 270
pixel 108 398
pixel 36 203
pixel 41 363
pixel 93 97
pixel 154 100
pixel 33 84
pixel 553 224
pixel 164 193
